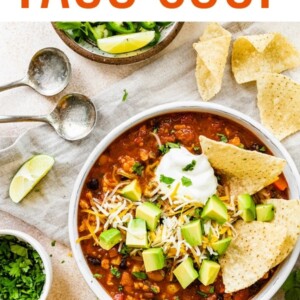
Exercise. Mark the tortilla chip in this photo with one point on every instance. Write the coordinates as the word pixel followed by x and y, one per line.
pixel 245 171
pixel 287 214
pixel 212 52
pixel 252 254
pixel 279 104
pixel 252 55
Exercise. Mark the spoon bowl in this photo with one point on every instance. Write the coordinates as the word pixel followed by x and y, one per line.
pixel 73 118
pixel 49 72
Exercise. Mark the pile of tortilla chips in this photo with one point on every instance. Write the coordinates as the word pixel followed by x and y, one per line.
pixel 258 246
pixel 254 58
pixel 212 51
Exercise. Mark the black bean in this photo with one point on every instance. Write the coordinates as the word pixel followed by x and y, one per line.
pixel 93 184
pixel 94 261
pixel 123 264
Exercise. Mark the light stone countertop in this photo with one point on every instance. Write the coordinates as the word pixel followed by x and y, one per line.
pixel 19 41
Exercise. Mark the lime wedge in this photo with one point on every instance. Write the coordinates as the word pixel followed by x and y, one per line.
pixel 126 42
pixel 31 172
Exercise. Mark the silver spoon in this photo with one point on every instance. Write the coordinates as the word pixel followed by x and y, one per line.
pixel 73 118
pixel 48 73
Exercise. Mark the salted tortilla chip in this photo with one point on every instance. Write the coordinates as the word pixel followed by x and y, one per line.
pixel 287 214
pixel 278 101
pixel 245 171
pixel 252 254
pixel 212 52
pixel 252 55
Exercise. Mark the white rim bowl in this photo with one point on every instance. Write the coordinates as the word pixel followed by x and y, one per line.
pixel 42 253
pixel 291 173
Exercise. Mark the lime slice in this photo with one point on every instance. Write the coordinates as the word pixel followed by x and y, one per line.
pixel 126 42
pixel 31 172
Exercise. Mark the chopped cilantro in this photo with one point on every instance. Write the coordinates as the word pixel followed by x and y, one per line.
pixel 223 137
pixel 125 250
pixel 186 181
pixel 198 212
pixel 166 180
pixel 115 272
pixel 125 95
pixel 154 289
pixel 202 294
pixel 53 243
pixel 166 148
pixel 196 148
pixel 22 271
pixel 138 168
pixel 120 288
pixel 190 167
pixel 212 289
pixel 262 149
pixel 62 262
pixel 97 275
pixel 140 275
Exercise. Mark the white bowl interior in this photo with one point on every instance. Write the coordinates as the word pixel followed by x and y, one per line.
pixel 41 251
pixel 290 172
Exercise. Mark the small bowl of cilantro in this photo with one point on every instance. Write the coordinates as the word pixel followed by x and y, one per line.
pixel 25 267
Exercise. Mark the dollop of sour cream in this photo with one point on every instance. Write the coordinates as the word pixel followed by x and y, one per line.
pixel 183 174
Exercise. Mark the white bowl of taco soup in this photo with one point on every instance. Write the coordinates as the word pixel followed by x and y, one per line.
pixel 108 271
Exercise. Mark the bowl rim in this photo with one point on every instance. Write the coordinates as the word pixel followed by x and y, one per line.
pixel 42 253
pixel 121 60
pixel 263 134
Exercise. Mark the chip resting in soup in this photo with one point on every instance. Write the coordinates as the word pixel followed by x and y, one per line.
pixel 165 210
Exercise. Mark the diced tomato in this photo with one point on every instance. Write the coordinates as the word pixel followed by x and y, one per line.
pixel 281 183
pixel 119 296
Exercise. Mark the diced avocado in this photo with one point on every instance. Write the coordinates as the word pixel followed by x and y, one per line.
pixel 265 212
pixel 215 210
pixel 137 234
pixel 247 206
pixel 154 259
pixel 150 213
pixel 209 271
pixel 192 233
pixel 185 273
pixel 110 238
pixel 221 246
pixel 132 191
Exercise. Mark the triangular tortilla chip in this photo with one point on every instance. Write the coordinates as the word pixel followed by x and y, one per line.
pixel 212 52
pixel 287 215
pixel 252 254
pixel 245 171
pixel 252 55
pixel 279 104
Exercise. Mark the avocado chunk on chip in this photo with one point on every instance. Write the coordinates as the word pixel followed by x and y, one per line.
pixel 255 54
pixel 212 52
pixel 246 172
pixel 264 244
pixel 278 101
pixel 287 214
pixel 252 254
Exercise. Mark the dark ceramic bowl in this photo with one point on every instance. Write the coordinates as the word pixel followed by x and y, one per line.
pixel 89 50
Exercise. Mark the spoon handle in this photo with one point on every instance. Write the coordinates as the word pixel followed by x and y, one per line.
pixel 14 84
pixel 9 119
